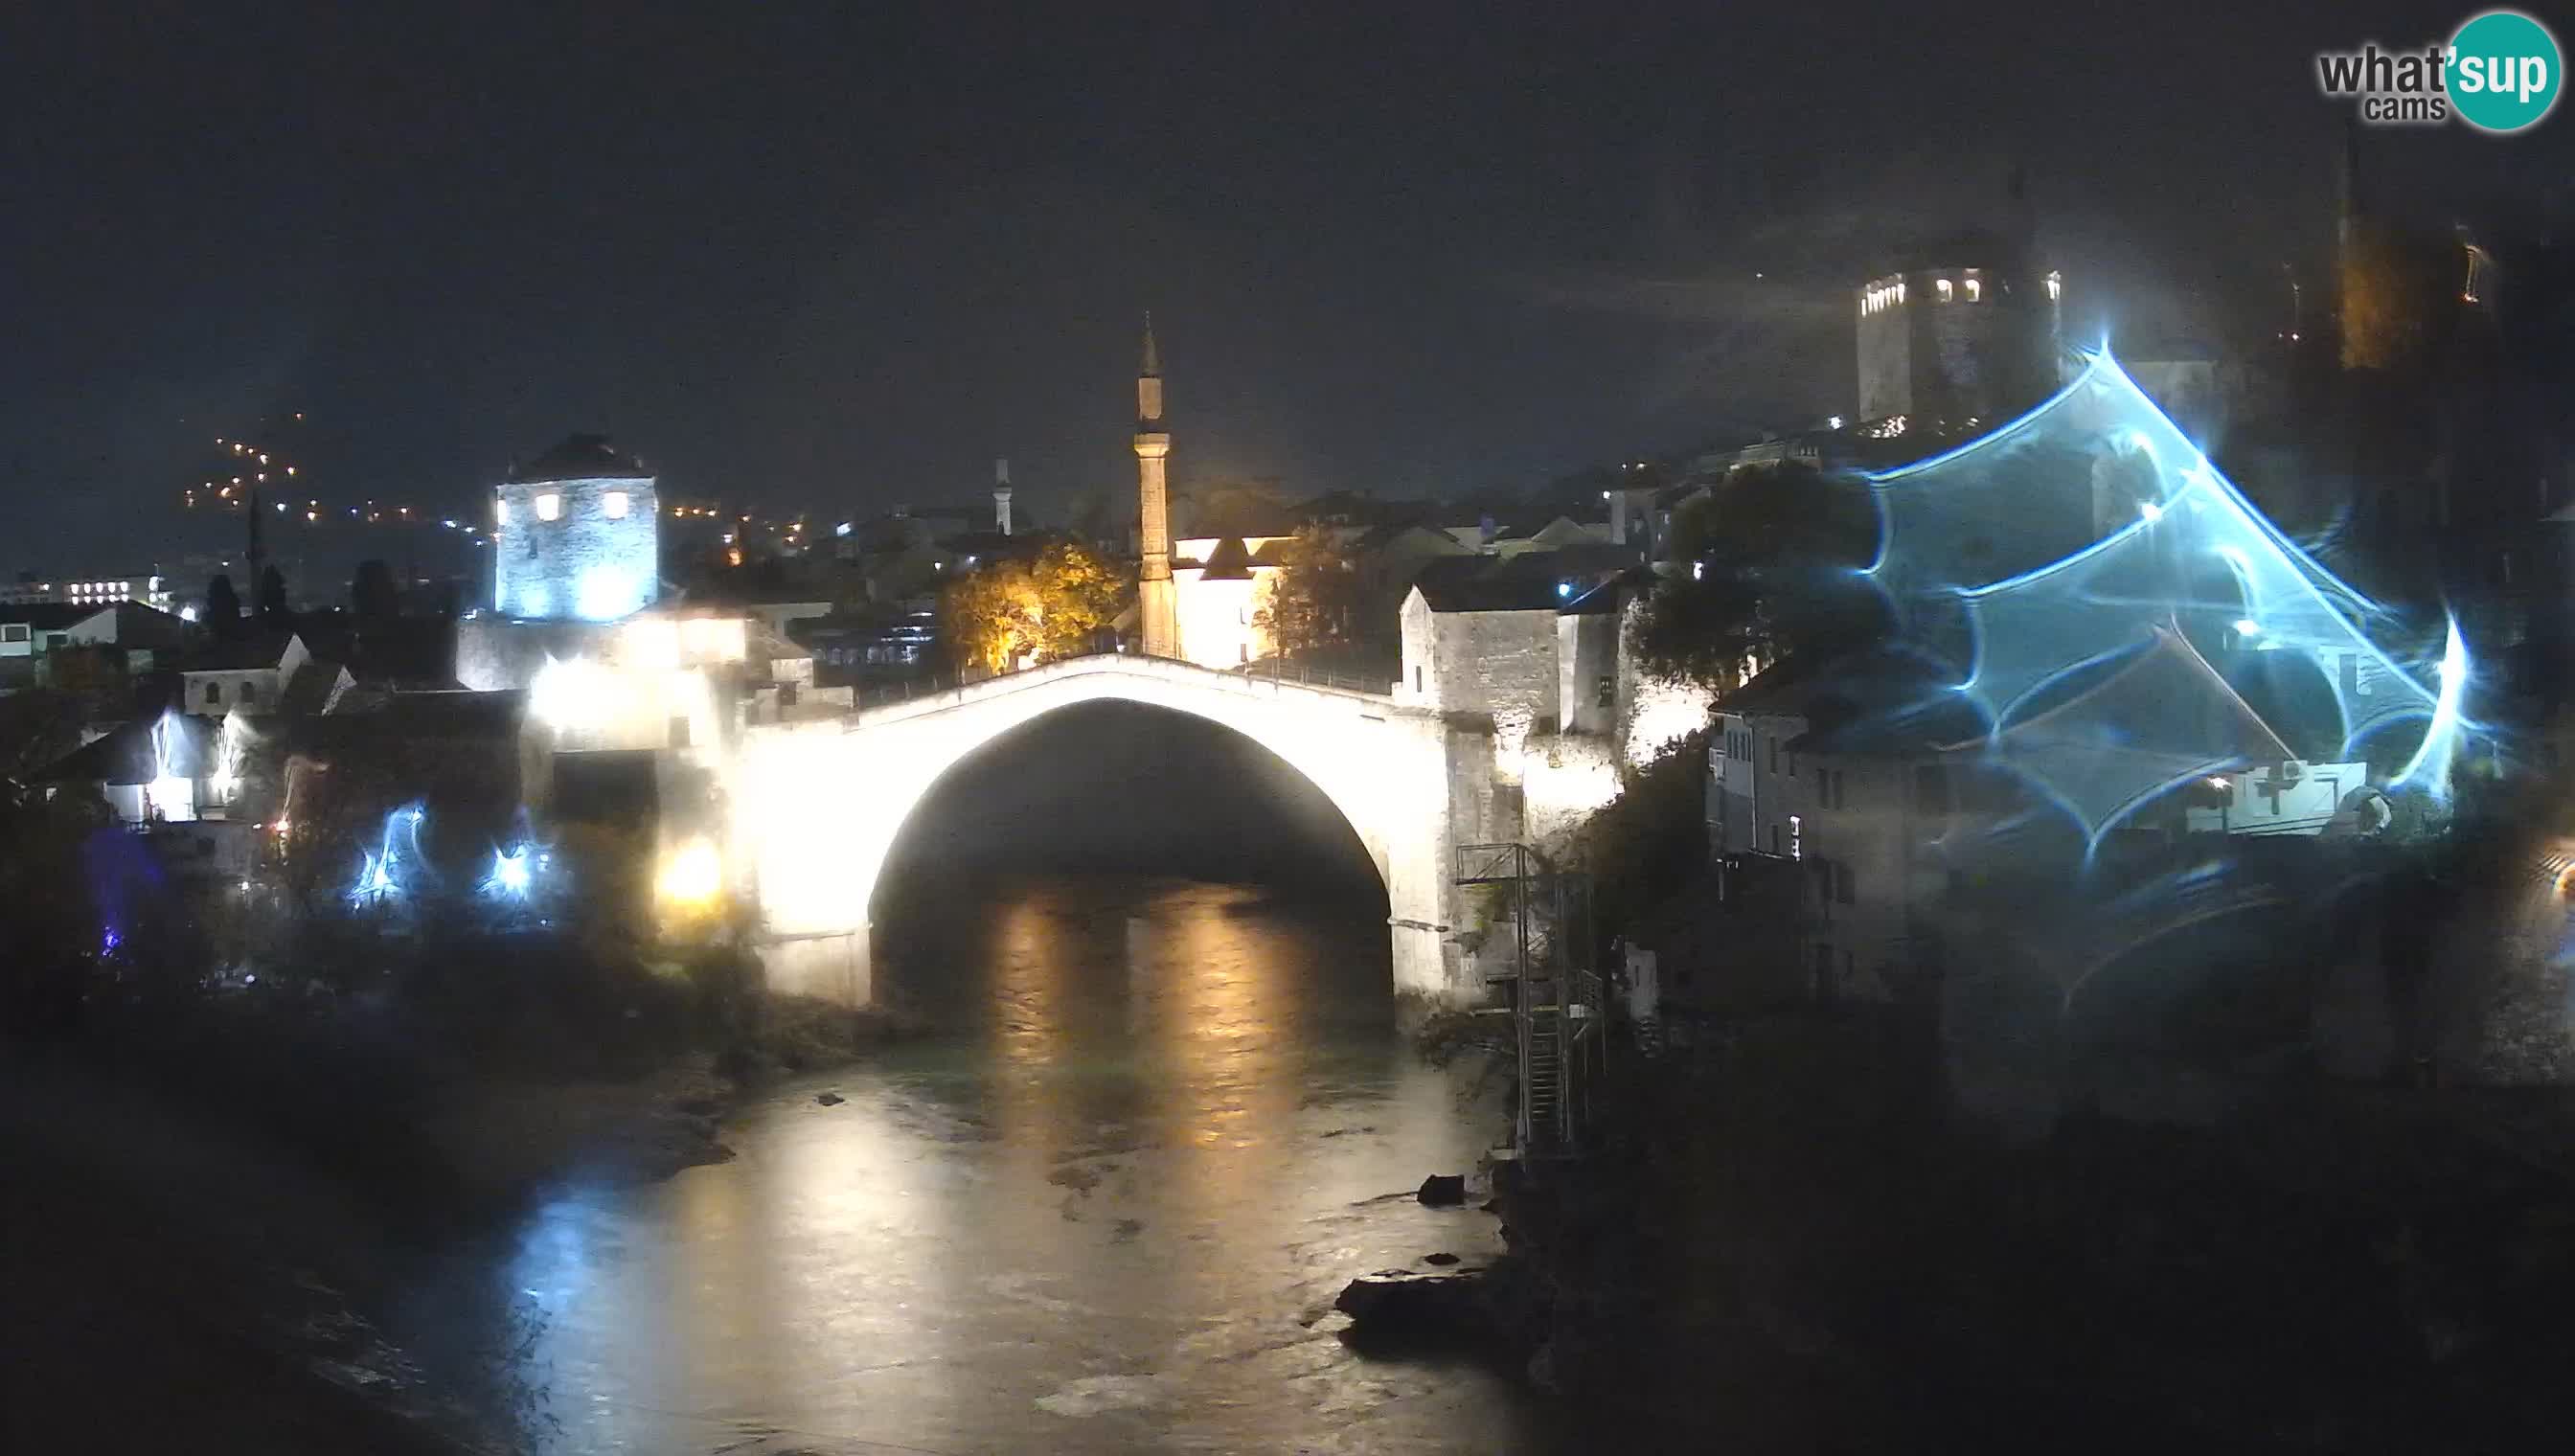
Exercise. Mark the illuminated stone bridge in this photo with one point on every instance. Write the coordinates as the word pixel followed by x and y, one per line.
pixel 818 805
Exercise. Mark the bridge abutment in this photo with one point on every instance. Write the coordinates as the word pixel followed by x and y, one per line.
pixel 836 966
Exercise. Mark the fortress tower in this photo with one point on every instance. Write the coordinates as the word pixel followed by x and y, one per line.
pixel 576 536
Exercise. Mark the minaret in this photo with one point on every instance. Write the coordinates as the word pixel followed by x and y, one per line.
pixel 1157 600
pixel 1002 496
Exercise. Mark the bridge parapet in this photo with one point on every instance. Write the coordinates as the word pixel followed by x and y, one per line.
pixel 1165 670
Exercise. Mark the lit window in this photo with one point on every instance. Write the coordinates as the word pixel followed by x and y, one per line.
pixel 1943 286
pixel 1976 290
pixel 499 513
pixel 2055 287
pixel 1899 289
pixel 614 502
pixel 548 506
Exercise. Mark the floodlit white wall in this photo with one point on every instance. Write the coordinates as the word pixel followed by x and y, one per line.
pixel 1220 619
pixel 818 805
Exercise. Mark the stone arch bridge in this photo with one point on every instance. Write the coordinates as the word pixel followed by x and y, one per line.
pixel 816 806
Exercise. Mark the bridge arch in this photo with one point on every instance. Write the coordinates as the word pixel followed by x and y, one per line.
pixel 817 807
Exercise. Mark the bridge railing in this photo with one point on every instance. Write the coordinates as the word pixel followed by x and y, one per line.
pixel 950 679
pixel 1314 676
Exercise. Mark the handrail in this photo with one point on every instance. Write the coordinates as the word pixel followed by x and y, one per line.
pixel 952 680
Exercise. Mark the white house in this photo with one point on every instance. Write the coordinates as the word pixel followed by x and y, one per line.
pixel 249 672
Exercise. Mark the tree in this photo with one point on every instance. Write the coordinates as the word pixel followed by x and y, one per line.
pixel 1767 565
pixel 223 605
pixel 272 596
pixel 982 615
pixel 371 594
pixel 1080 594
pixel 1052 608
pixel 1313 602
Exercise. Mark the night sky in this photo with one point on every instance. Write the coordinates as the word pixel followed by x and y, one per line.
pixel 832 258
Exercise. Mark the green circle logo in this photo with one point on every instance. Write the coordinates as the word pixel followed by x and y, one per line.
pixel 2503 70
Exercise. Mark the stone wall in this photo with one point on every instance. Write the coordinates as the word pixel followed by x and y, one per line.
pixel 1499 665
pixel 585 563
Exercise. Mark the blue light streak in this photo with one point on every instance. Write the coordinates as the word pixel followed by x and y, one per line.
pixel 1958 534
pixel 384 873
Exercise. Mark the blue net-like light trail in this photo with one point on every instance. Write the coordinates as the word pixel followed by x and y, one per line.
pixel 2084 567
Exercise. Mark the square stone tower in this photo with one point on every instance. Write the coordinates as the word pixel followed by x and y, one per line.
pixel 576 536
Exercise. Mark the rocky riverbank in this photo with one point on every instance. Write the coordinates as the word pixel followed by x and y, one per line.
pixel 1795 1245
pixel 238 1213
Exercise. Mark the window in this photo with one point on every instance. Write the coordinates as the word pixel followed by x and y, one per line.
pixel 1416 680
pixel 214 694
pixel 1943 286
pixel 1609 692
pixel 1796 837
pixel 549 507
pixel 249 694
pixel 13 632
pixel 1976 290
pixel 499 513
pixel 612 505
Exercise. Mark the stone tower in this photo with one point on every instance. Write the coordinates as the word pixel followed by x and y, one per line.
pixel 1157 600
pixel 1002 496
pixel 576 536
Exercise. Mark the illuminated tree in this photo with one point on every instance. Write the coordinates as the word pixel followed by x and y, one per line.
pixel 1057 606
pixel 1314 599
pixel 983 615
pixel 1080 594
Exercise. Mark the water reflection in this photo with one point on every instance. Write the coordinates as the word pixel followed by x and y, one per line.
pixel 1104 1208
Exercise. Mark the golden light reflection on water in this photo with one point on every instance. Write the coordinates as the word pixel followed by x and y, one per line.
pixel 1095 1210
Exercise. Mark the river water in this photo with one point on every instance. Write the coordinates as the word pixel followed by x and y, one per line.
pixel 1105 1205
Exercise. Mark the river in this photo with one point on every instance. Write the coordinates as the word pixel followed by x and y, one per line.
pixel 1104 1205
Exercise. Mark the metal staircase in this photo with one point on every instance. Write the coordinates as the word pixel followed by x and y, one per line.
pixel 1553 996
